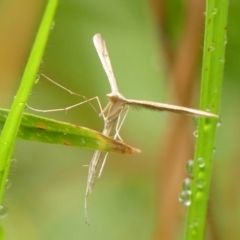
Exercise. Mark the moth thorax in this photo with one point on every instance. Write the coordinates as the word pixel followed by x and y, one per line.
pixel 115 97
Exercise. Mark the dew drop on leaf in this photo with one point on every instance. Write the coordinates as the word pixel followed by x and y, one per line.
pixel 37 79
pixel 8 184
pixel 189 167
pixel 195 134
pixel 186 185
pixel 185 198
pixel 200 162
pixel 3 211
pixel 200 183
pixel 214 11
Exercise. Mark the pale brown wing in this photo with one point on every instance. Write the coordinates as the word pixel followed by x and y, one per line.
pixel 101 48
pixel 168 107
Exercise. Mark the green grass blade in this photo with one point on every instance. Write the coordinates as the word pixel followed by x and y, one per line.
pixel 212 74
pixel 10 129
pixel 40 129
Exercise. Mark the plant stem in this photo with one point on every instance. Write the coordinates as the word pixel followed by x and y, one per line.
pixel 212 73
pixel 11 127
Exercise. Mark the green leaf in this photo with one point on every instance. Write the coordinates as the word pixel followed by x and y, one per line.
pixel 40 129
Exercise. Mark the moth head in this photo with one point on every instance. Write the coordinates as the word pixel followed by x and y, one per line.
pixel 115 97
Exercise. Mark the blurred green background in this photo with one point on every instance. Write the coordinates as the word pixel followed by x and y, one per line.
pixel 46 198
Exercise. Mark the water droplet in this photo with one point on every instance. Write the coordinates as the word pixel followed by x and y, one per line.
pixel 37 78
pixel 185 198
pixel 194 228
pixel 52 25
pixel 186 184
pixel 225 40
pixel 222 60
pixel 3 211
pixel 189 167
pixel 211 48
pixel 214 11
pixel 201 162
pixel 195 134
pixel 8 184
pixel 83 141
pixel 219 123
pixel 64 133
pixel 207 125
pixel 200 183
pixel 214 150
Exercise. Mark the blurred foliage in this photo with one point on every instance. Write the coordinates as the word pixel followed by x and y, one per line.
pixel 48 182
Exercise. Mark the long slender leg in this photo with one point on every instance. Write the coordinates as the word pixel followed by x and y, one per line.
pixel 69 107
pixel 95 160
pixel 90 180
pixel 120 123
pixel 86 100
pixel 118 127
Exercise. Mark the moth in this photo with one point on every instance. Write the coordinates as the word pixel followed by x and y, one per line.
pixel 119 104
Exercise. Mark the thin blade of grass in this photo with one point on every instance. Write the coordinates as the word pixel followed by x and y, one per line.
pixel 10 130
pixel 212 74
